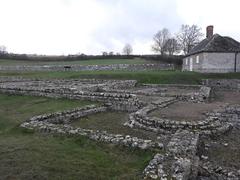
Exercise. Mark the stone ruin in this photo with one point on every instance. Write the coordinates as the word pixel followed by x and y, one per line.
pixel 112 67
pixel 179 143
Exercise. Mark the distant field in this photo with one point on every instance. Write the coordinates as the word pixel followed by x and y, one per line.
pixel 25 154
pixel 154 77
pixel 80 62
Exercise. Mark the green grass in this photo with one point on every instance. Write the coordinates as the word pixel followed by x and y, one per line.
pixel 112 122
pixel 25 154
pixel 15 109
pixel 80 62
pixel 154 77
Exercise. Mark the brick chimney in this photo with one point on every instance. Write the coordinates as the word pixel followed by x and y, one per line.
pixel 209 31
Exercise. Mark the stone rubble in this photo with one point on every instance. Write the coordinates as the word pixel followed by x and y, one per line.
pixel 223 84
pixel 58 123
pixel 73 89
pixel 177 159
pixel 207 169
pixel 215 123
pixel 179 162
pixel 129 67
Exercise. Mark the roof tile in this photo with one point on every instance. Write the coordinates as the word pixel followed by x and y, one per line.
pixel 216 43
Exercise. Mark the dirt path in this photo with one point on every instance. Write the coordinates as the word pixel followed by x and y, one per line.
pixel 188 111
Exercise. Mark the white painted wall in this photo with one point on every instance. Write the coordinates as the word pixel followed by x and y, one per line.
pixel 212 62
pixel 218 62
pixel 197 61
pixel 238 62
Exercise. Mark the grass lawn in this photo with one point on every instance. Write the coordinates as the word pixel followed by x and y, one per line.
pixel 80 62
pixel 154 77
pixel 112 122
pixel 29 155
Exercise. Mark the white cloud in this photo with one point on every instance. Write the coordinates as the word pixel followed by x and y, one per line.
pixel 50 27
pixel 93 26
pixel 220 13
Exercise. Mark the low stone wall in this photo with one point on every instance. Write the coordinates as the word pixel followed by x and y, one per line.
pixel 223 84
pixel 121 102
pixel 230 114
pixel 200 93
pixel 215 123
pixel 84 89
pixel 211 171
pixel 128 67
pixel 140 119
pixel 66 117
pixel 209 126
pixel 93 90
pixel 177 140
pixel 113 101
pixel 180 161
pixel 58 123
pixel 200 96
pixel 118 84
pixel 181 86
pixel 98 84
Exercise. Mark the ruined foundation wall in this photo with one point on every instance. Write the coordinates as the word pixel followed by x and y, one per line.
pixel 58 123
pixel 223 84
pixel 118 102
pixel 129 67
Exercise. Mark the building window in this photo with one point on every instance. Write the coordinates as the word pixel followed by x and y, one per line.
pixel 197 59
pixel 187 61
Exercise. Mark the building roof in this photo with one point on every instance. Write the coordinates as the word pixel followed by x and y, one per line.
pixel 216 43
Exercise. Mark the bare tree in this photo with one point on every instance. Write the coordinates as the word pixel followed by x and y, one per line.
pixel 127 50
pixel 172 46
pixel 104 53
pixel 188 37
pixel 111 53
pixel 160 40
pixel 3 50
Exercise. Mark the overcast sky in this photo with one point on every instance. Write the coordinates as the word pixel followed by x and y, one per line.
pixel 92 26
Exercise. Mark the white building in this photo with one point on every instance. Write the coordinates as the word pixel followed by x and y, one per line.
pixel 214 54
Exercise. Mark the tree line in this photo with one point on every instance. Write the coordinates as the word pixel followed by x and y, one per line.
pixel 3 49
pixel 166 44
